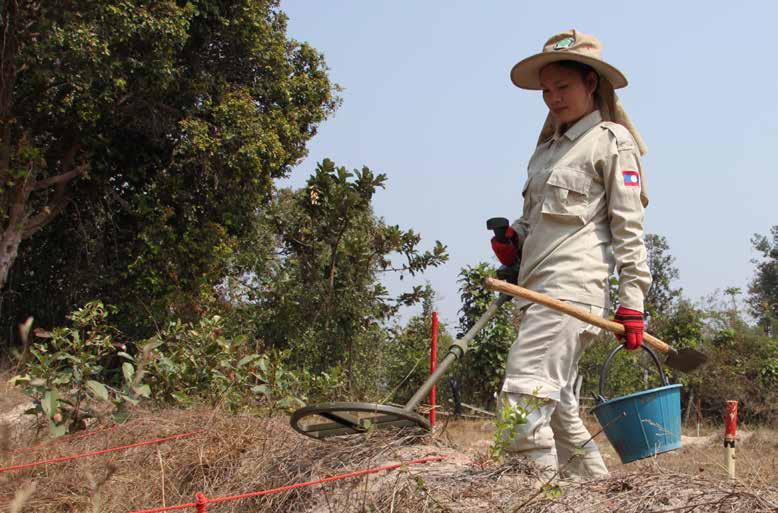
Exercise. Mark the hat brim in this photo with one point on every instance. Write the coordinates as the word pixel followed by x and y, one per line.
pixel 526 73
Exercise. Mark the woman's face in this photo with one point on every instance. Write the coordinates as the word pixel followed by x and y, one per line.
pixel 568 96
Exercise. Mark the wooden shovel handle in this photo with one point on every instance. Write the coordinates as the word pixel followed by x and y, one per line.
pixel 578 313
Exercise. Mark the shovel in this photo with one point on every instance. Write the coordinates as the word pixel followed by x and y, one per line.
pixel 684 360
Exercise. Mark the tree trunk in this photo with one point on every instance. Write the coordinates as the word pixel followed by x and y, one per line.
pixel 9 248
pixel 689 404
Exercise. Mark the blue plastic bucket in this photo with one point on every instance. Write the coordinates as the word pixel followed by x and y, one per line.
pixel 642 424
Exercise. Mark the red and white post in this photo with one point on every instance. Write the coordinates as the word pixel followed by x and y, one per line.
pixel 433 365
pixel 730 432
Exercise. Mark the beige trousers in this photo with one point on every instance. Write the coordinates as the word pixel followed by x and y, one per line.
pixel 543 363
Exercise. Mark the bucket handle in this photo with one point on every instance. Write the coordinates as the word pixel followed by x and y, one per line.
pixel 600 397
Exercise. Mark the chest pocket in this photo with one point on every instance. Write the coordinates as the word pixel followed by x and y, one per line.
pixel 566 195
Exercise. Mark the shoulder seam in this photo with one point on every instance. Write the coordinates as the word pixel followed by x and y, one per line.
pixel 624 139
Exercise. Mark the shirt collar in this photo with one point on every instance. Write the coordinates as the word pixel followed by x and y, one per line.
pixel 581 126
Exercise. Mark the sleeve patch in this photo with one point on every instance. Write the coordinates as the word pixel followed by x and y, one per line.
pixel 631 178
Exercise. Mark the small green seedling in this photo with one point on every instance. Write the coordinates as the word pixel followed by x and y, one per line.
pixel 507 422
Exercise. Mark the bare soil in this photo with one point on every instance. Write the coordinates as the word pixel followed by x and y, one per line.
pixel 702 452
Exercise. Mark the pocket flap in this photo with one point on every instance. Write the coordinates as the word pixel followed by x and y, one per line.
pixel 570 179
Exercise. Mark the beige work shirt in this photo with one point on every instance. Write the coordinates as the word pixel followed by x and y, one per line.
pixel 583 216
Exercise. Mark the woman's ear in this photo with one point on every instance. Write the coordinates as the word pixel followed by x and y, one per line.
pixel 592 81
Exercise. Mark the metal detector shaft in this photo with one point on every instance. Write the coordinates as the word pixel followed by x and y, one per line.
pixel 458 349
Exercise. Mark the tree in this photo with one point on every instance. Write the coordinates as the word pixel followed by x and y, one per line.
pixel 176 116
pixel 321 297
pixel 34 158
pixel 483 367
pixel 661 264
pixel 661 296
pixel 762 297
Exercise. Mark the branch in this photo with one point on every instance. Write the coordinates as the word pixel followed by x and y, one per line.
pixel 60 201
pixel 58 179
pixel 334 255
pixel 45 216
pixel 5 151
pixel 18 194
pixel 392 269
pixel 62 179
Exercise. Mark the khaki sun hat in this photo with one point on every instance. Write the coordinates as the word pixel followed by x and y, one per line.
pixel 567 46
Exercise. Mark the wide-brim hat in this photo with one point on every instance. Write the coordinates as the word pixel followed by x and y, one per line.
pixel 567 46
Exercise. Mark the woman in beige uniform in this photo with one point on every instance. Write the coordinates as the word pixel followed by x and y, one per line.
pixel 584 200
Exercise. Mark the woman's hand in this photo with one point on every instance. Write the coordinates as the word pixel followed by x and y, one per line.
pixel 633 327
pixel 507 251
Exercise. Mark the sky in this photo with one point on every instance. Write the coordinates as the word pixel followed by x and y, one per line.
pixel 428 101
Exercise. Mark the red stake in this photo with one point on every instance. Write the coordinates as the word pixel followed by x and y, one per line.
pixel 201 503
pixel 433 364
pixel 730 424
pixel 730 431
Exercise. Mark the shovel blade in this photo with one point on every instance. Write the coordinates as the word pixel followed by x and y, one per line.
pixel 685 360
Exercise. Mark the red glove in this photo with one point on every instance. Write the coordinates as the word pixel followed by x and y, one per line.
pixel 633 327
pixel 507 252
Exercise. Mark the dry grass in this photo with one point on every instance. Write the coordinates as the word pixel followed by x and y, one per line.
pixel 240 454
pixel 757 451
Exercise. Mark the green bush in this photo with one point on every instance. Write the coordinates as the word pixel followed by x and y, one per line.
pixel 629 371
pixel 188 362
pixel 72 372
pixel 481 370
pixel 746 370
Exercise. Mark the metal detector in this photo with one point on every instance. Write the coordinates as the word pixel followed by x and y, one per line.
pixel 353 418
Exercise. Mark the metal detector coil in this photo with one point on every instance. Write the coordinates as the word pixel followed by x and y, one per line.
pixel 353 418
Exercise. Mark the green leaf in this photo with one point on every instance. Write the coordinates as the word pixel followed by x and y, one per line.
pixel 247 359
pixel 19 379
pixel 97 388
pixel 289 403
pixel 120 417
pixel 261 389
pixel 552 491
pixel 129 372
pixel 57 430
pixel 181 397
pixel 143 390
pixel 50 403
pixel 63 378
pixel 153 345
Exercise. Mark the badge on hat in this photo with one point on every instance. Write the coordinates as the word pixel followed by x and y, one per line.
pixel 564 43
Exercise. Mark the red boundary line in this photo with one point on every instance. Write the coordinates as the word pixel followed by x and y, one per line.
pixel 96 453
pixel 60 440
pixel 202 501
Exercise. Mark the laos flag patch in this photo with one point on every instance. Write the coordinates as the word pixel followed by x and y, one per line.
pixel 631 178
